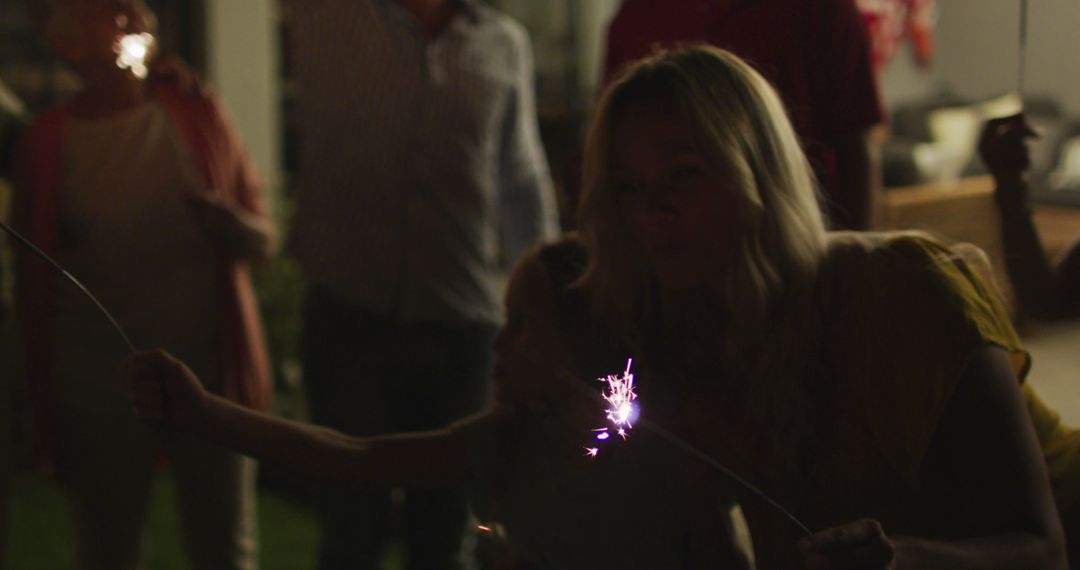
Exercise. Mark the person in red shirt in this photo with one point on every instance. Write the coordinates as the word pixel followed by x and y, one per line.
pixel 815 53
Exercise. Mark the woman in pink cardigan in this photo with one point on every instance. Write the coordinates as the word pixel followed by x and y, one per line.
pixel 146 194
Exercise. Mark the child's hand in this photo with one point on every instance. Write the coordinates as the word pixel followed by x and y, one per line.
pixel 236 232
pixel 164 390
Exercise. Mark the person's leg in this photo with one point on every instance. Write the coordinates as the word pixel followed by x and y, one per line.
pixel 6 457
pixel 11 364
pixel 344 358
pixel 215 491
pixel 447 379
pixel 105 463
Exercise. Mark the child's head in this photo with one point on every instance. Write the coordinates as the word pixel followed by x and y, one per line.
pixel 86 33
pixel 529 335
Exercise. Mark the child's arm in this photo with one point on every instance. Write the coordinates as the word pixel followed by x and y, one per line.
pixel 166 392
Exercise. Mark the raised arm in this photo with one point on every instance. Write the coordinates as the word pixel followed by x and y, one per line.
pixel 1045 291
pixel 166 392
pixel 988 482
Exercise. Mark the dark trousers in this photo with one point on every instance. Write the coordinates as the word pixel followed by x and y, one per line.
pixel 369 375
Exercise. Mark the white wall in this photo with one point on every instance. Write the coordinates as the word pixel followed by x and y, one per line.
pixel 978 52
pixel 242 57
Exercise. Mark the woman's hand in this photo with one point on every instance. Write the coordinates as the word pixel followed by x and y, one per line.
pixel 239 234
pixel 861 545
pixel 164 390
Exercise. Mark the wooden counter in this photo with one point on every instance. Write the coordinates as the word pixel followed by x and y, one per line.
pixel 965 211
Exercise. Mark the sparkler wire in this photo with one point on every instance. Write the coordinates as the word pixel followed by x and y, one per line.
pixel 1022 57
pixel 29 245
pixel 708 460
pixel 705 458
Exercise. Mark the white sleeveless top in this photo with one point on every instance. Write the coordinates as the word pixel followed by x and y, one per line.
pixel 127 230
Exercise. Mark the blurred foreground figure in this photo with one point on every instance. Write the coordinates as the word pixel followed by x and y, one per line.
pixel 1045 291
pixel 146 194
pixel 422 177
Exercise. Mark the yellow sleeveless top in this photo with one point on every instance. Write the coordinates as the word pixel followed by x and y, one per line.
pixel 901 315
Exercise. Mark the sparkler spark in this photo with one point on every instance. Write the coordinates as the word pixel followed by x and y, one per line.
pixel 620 397
pixel 621 410
pixel 132 51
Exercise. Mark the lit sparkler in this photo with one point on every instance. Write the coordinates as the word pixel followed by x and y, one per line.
pixel 623 412
pixel 133 51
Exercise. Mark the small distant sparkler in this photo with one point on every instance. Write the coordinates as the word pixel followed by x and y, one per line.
pixel 132 53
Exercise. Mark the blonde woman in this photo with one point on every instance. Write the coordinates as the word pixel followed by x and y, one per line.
pixel 858 378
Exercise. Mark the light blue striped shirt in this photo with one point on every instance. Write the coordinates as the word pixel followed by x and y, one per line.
pixel 422 175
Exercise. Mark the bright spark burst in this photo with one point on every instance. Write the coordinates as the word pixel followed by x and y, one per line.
pixel 621 410
pixel 132 52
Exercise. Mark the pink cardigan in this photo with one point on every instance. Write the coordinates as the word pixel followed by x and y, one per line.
pixel 221 159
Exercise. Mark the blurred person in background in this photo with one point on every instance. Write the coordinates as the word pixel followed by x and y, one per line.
pixel 145 193
pixel 421 178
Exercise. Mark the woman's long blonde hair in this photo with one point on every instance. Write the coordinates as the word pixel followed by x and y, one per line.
pixel 741 128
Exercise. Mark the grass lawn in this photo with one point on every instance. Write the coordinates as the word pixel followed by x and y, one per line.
pixel 40 534
pixel 40 531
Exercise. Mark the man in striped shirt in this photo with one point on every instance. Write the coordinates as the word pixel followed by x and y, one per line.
pixel 422 178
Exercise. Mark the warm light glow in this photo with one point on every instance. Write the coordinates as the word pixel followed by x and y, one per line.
pixel 132 53
pixel 591 451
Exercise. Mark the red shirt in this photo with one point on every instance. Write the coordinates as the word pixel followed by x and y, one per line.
pixel 815 52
